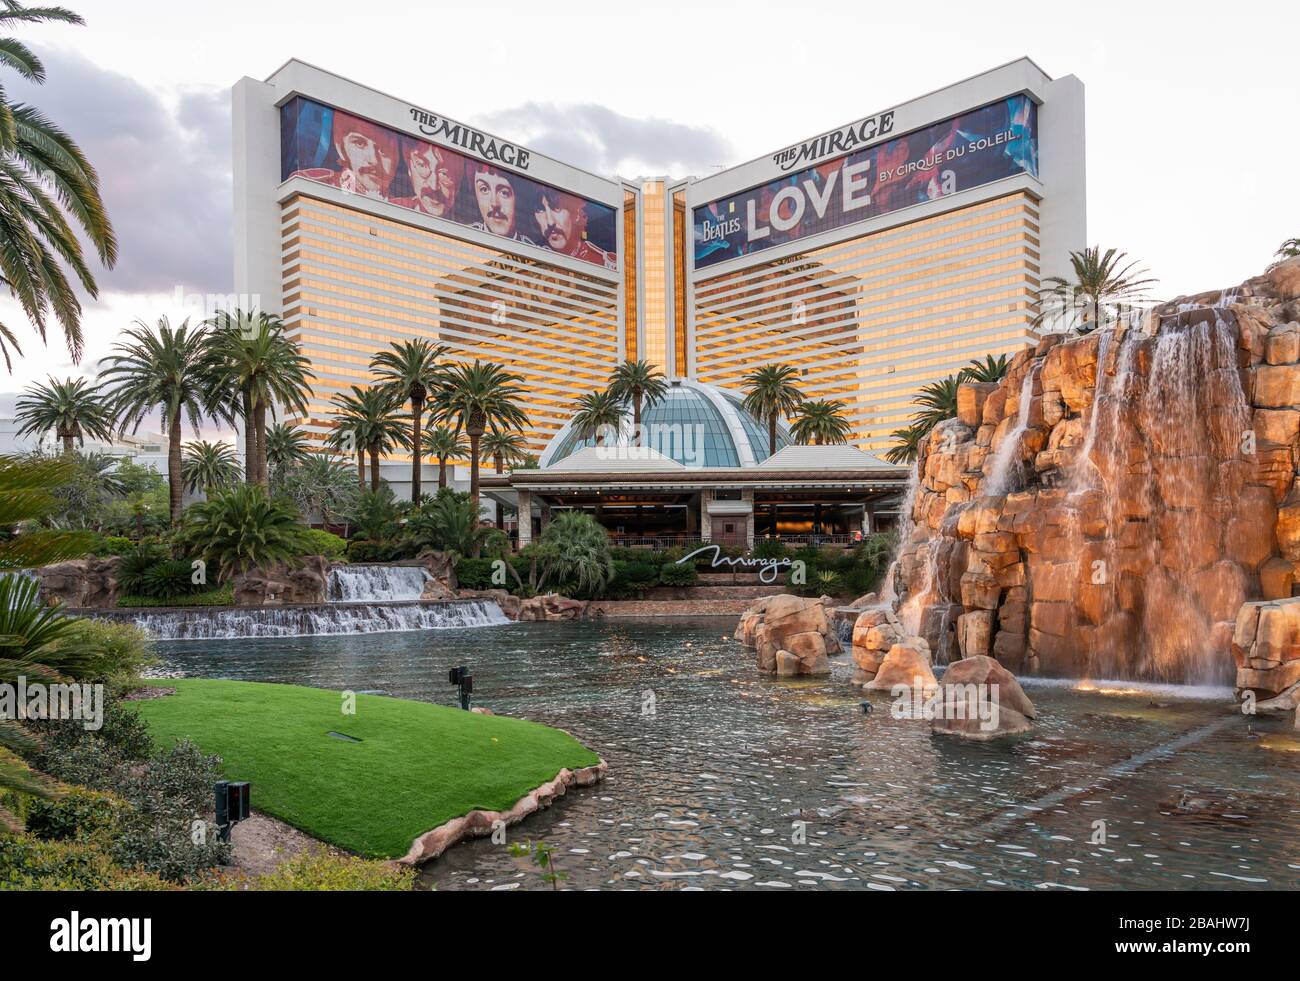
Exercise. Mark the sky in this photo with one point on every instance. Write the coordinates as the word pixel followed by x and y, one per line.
pixel 1192 139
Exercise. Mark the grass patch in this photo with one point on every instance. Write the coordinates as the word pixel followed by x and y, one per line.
pixel 221 596
pixel 416 766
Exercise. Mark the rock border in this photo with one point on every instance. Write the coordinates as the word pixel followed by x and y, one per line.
pixel 479 823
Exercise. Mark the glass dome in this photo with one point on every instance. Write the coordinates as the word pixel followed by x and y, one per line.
pixel 697 425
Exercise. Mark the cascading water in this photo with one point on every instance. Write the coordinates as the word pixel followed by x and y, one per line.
pixel 303 621
pixel 1000 471
pixel 377 583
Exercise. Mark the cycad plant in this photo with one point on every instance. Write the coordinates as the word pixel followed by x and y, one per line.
pixel 991 369
pixel 242 528
pixel 72 408
pixel 49 200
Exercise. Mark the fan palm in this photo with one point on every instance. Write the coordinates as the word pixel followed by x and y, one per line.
pixel 991 369
pixel 410 372
pixel 286 447
pixel 251 357
pixel 444 443
pixel 820 423
pixel 367 421
pixel 574 551
pixel 770 392
pixel 209 467
pixel 164 368
pixel 1104 282
pixel 49 200
pixel 72 408
pixel 474 397
pixel 598 413
pixel 638 383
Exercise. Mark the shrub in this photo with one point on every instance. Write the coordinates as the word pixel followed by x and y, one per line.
pixel 168 579
pixel 770 548
pixel 136 565
pixel 319 542
pixel 108 651
pixel 27 863
pixel 573 553
pixel 113 545
pixel 76 814
pixel 239 529
pixel 221 596
pixel 324 872
pixel 672 574
pixel 367 551
pixel 474 574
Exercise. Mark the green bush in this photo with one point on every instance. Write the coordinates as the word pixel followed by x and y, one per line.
pixel 108 650
pixel 168 580
pixel 672 574
pixel 770 548
pixel 324 872
pixel 475 574
pixel 221 596
pixel 76 814
pixel 367 551
pixel 29 864
pixel 113 545
pixel 319 542
pixel 136 565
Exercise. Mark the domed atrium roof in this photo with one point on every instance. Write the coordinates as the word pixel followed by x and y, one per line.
pixel 696 425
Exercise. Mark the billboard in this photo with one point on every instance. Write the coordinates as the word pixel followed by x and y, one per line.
pixel 970 150
pixel 333 147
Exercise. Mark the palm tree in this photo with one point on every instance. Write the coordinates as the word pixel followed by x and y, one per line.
pixel 449 523
pixel 598 412
pixel 49 199
pixel 209 467
pixel 286 447
pixel 574 551
pixel 322 485
pixel 251 356
pixel 640 384
pixel 991 369
pixel 503 449
pixel 475 397
pixel 72 408
pixel 445 444
pixel 821 423
pixel 907 444
pixel 937 401
pixel 771 391
pixel 167 369
pixel 1103 284
pixel 410 372
pixel 367 422
pixel 1289 249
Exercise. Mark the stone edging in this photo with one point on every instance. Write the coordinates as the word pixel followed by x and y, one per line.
pixel 479 824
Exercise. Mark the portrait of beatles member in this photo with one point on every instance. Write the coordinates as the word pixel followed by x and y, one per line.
pixel 365 156
pixel 497 202
pixel 562 225
pixel 434 174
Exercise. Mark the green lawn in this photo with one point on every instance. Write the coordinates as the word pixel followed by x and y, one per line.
pixel 417 765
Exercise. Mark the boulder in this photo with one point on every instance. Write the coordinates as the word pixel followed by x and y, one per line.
pixel 787 664
pixel 1284 279
pixel 284 584
pixel 982 700
pixel 83 584
pixel 907 663
pixel 1266 646
pixel 551 608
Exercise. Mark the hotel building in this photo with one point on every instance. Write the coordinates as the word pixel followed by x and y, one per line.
pixel 876 257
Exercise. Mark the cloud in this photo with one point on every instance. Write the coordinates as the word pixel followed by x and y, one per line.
pixel 603 141
pixel 164 171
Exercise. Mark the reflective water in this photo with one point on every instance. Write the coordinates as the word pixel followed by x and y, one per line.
pixel 740 781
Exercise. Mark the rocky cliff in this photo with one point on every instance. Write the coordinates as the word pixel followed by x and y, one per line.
pixel 1107 508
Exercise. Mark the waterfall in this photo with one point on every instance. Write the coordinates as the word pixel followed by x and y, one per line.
pixel 300 621
pixel 998 479
pixel 377 583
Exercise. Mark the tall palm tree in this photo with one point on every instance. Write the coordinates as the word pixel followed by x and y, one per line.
pixel 1103 283
pixel 937 401
pixel 251 355
pixel 638 383
pixel 597 413
pixel 474 397
pixel 503 448
pixel 209 467
pixel 770 392
pixel 73 408
pixel 286 447
pixel 907 444
pixel 49 200
pixel 410 372
pixel 162 368
pixel 991 369
pixel 444 443
pixel 820 423
pixel 367 421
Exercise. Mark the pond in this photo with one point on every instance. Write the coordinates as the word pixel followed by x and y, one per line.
pixel 722 778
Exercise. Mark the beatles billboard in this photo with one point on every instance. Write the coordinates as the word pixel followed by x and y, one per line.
pixel 970 150
pixel 333 147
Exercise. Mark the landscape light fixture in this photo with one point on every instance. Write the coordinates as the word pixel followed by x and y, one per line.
pixel 462 679
pixel 231 805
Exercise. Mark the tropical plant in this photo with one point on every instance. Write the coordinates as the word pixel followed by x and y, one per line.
pixel 448 523
pixel 86 497
pixel 991 369
pixel 504 449
pixel 937 401
pixel 573 551
pixel 410 372
pixel 373 514
pixel 252 358
pixel 367 421
pixel 49 200
pixel 72 408
pixel 771 392
pixel 1289 249
pixel 209 467
pixel 322 486
pixel 907 444
pixel 166 369
pixel 286 447
pixel 242 528
pixel 1104 284
pixel 598 413
pixel 444 443
pixel 821 423
pixel 637 383
pixel 474 397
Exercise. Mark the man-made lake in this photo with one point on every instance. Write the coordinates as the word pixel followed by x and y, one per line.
pixel 721 778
